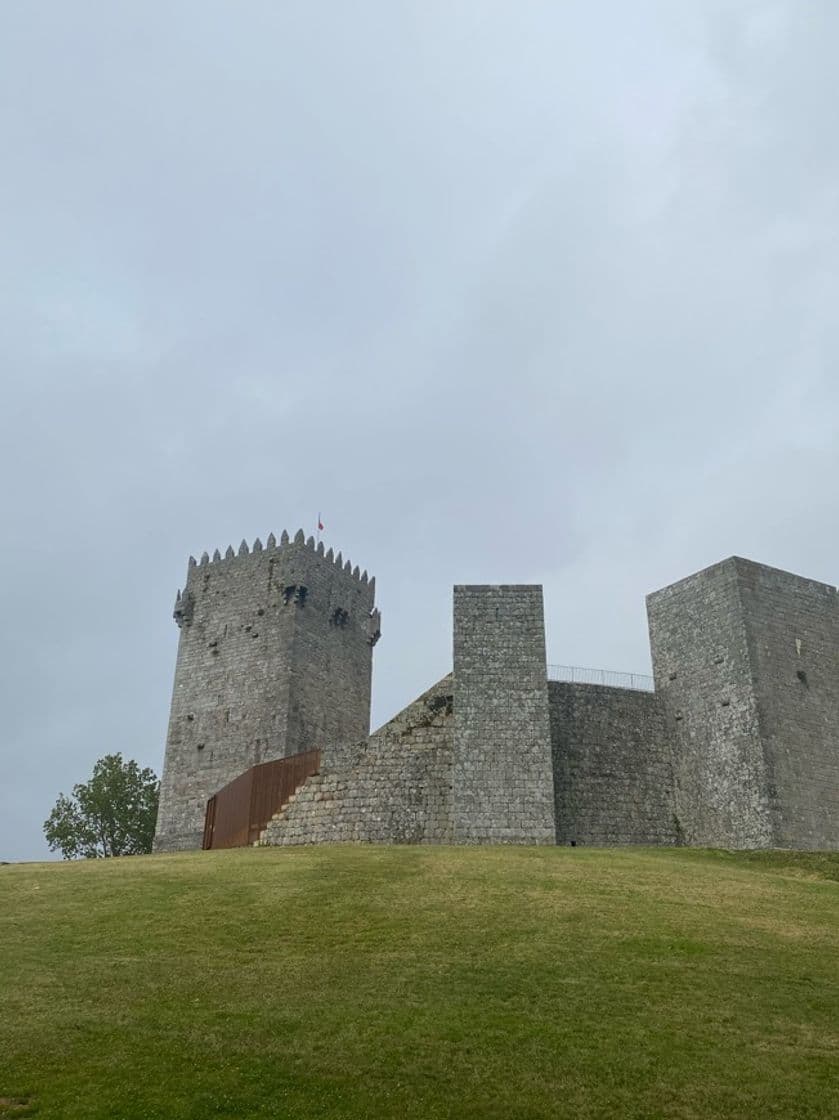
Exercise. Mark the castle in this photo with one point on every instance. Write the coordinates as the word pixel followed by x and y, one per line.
pixel 736 747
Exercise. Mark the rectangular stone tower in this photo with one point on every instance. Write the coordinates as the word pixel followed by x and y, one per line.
pixel 502 769
pixel 275 657
pixel 746 661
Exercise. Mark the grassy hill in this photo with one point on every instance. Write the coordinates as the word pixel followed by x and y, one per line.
pixel 421 983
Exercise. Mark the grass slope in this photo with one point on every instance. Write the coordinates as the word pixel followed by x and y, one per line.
pixel 421 983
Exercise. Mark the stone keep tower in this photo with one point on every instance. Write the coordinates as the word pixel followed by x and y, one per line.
pixel 274 658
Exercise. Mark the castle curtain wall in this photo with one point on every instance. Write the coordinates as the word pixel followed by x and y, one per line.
pixel 395 787
pixel 613 779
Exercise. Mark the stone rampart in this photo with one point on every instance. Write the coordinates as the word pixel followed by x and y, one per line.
pixel 396 787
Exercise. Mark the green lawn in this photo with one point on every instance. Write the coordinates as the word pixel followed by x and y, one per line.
pixel 421 983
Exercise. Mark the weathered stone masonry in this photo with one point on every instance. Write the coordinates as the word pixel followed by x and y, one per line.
pixel 274 657
pixel 746 662
pixel 503 779
pixel 612 766
pixel 395 787
pixel 738 746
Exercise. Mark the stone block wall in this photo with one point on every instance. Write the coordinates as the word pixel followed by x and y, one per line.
pixel 613 780
pixel 275 657
pixel 395 787
pixel 503 772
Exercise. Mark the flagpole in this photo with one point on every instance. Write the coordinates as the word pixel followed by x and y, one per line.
pixel 318 529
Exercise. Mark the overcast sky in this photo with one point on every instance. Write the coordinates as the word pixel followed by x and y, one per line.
pixel 509 291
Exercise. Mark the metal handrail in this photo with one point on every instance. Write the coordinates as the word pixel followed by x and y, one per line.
pixel 576 674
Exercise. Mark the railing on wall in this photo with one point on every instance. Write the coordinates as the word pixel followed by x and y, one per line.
pixel 575 674
pixel 238 813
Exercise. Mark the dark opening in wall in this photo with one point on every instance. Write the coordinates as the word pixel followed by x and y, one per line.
pixel 802 676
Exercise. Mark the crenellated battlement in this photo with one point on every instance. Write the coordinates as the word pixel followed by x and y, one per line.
pixel 285 543
pixel 293 563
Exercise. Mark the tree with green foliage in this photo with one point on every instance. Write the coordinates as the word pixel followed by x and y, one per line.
pixel 113 814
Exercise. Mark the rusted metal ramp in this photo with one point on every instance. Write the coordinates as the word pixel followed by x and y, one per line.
pixel 240 811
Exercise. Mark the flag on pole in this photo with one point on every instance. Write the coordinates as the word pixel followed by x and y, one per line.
pixel 320 524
